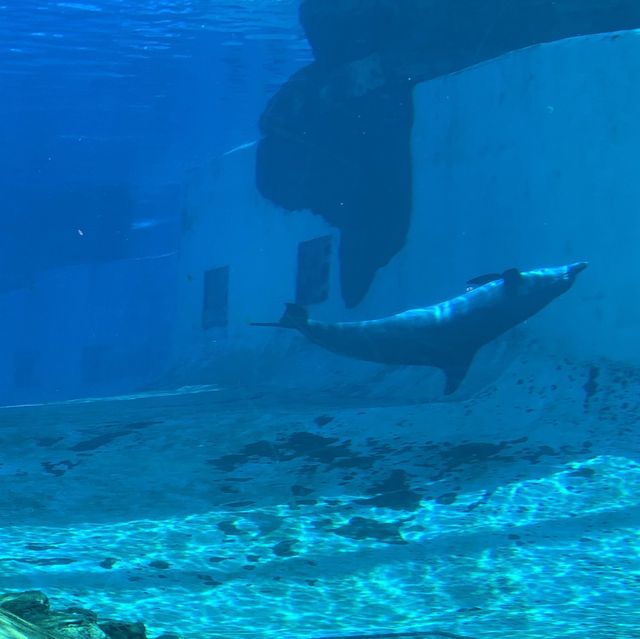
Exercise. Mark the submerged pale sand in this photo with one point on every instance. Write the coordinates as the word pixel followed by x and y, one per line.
pixel 221 512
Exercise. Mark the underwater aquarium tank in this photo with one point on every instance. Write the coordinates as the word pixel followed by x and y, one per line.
pixel 319 319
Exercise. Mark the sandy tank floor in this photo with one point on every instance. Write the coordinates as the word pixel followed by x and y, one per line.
pixel 219 513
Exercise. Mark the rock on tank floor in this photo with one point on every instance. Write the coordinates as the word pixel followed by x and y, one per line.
pixel 224 513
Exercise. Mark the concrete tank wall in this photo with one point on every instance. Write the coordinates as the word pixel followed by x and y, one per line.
pixel 88 330
pixel 528 160
pixel 229 224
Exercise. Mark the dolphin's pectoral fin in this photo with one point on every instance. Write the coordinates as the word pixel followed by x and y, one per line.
pixel 455 371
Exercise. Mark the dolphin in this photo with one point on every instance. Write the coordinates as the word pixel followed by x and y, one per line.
pixel 446 335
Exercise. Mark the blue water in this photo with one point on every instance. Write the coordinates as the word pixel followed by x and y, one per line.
pixel 221 487
pixel 116 92
pixel 107 109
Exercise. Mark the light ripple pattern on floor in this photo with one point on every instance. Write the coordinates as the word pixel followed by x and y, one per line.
pixel 218 515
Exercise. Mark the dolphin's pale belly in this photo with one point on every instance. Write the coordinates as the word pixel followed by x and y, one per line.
pixel 428 337
pixel 421 342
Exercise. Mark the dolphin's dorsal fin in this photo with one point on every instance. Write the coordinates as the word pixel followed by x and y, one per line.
pixel 512 279
pixel 484 279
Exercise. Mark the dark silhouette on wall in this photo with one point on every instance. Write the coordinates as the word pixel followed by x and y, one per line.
pixel 336 136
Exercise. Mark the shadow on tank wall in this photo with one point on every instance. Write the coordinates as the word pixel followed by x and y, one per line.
pixel 336 136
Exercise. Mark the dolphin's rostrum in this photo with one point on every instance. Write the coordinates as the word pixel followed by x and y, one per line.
pixel 445 335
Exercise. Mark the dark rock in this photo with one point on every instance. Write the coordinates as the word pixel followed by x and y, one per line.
pixel 397 500
pixel 228 463
pixel 285 548
pixel 300 491
pixel 81 612
pixel 47 561
pixel 40 547
pixel 30 605
pixel 447 499
pixel 123 629
pixel 74 623
pixel 393 492
pixel 591 385
pixel 16 628
pixel 209 580
pixel 586 473
pixel 363 528
pixel 470 453
pixel 108 563
pixel 27 615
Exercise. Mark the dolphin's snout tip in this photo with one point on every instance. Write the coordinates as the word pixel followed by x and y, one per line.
pixel 577 267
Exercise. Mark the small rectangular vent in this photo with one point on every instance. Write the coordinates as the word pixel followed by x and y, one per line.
pixel 215 304
pixel 314 268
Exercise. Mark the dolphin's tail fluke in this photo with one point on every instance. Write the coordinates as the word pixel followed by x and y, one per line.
pixel 295 316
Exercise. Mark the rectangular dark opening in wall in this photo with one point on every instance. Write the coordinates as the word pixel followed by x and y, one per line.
pixel 314 267
pixel 215 304
pixel 23 367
